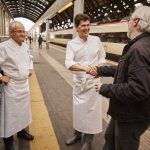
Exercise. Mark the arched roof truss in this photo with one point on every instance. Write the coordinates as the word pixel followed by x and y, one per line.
pixel 31 9
pixel 100 11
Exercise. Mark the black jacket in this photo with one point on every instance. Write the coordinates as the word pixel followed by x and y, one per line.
pixel 2 74
pixel 130 93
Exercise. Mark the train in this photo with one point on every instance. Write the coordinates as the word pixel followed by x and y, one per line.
pixel 113 37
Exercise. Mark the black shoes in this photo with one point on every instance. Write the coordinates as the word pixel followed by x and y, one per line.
pixel 9 143
pixel 86 146
pixel 73 140
pixel 23 134
pixel 10 147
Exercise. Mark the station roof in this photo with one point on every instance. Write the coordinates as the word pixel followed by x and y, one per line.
pixel 31 9
pixel 100 11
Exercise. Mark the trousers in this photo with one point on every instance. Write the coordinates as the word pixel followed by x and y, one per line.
pixel 124 135
pixel 87 138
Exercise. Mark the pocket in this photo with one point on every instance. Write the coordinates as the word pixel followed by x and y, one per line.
pixel 122 71
pixel 23 71
pixel 77 87
pixel 16 89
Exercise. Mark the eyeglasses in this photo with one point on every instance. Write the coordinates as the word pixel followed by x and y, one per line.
pixel 135 19
pixel 19 31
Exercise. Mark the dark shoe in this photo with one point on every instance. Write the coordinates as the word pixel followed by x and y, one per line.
pixel 25 135
pixel 86 146
pixel 73 140
pixel 8 143
pixel 10 147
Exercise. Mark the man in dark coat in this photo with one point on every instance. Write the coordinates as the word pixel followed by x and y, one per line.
pixel 40 40
pixel 129 95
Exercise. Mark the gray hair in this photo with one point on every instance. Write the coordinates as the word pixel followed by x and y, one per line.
pixel 143 13
pixel 13 25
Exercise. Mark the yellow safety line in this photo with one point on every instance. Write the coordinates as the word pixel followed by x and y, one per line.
pixel 41 127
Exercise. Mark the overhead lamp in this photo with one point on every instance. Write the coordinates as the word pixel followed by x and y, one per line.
pixel 65 7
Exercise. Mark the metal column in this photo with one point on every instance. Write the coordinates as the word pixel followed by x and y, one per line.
pixel 78 8
pixel 35 35
pixel 47 34
pixel 0 21
pixel 39 27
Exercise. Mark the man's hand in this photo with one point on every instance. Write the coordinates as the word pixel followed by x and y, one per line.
pixel 5 79
pixel 87 69
pixel 30 72
pixel 92 71
pixel 97 87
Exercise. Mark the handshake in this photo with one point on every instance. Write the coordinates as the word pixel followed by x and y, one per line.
pixel 92 70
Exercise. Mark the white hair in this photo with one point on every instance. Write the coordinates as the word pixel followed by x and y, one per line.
pixel 142 13
pixel 13 25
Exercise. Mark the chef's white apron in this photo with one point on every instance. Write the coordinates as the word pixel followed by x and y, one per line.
pixel 15 111
pixel 87 106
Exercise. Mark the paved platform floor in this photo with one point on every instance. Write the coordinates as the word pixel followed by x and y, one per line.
pixel 58 98
pixel 56 87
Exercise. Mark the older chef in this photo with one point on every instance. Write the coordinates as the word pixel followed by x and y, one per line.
pixel 82 52
pixel 16 64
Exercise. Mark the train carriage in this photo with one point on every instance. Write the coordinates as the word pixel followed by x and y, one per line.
pixel 113 37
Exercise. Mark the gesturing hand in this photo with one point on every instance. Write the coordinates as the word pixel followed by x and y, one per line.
pixel 30 72
pixel 5 79
pixel 92 71
pixel 97 87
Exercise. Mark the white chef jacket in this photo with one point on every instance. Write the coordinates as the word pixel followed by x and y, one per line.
pixel 87 105
pixel 15 112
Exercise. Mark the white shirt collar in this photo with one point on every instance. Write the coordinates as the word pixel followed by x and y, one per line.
pixel 82 39
pixel 14 42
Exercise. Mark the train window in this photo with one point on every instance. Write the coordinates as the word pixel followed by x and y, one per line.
pixel 119 37
pixel 63 36
pixel 67 36
pixel 95 34
pixel 59 36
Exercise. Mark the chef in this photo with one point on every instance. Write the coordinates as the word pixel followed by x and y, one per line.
pixel 82 52
pixel 17 65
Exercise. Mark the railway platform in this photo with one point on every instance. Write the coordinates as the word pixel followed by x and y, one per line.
pixel 51 101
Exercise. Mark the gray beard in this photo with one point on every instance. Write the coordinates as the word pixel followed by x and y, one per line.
pixel 129 33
